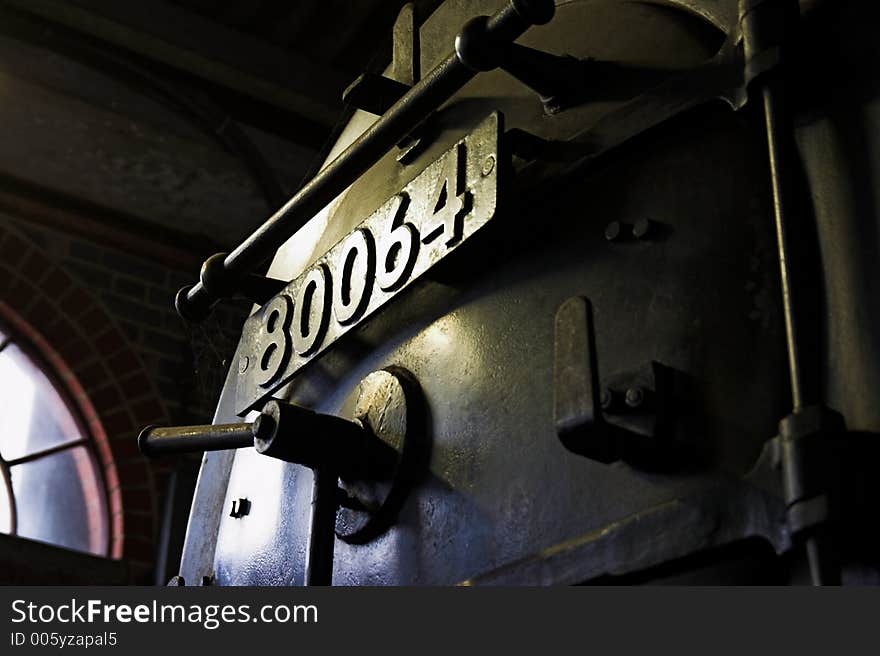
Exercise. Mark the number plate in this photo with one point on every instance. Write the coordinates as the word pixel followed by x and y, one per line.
pixel 428 219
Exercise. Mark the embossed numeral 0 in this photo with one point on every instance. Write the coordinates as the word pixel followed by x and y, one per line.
pixel 311 313
pixel 356 268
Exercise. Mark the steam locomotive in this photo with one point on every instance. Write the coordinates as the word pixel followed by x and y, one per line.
pixel 582 294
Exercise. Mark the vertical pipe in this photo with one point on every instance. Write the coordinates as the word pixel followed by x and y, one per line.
pixel 322 535
pixel 773 113
pixel 820 551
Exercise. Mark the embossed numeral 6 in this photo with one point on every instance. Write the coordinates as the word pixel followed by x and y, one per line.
pixel 400 248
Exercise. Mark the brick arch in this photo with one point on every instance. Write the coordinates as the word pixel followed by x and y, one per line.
pixel 103 374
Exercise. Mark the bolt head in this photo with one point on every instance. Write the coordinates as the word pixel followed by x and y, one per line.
pixel 642 228
pixel 634 397
pixel 240 508
pixel 488 164
pixel 612 231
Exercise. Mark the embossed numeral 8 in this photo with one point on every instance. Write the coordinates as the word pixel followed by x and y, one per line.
pixel 342 285
pixel 274 339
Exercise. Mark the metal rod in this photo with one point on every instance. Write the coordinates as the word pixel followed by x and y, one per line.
pixel 6 475
pixel 821 556
pixel 778 167
pixel 322 534
pixel 47 452
pixel 414 107
pixel 154 441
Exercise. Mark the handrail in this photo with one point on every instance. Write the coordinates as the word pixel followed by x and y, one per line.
pixel 478 40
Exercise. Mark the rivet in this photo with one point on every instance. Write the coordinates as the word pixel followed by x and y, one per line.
pixel 612 231
pixel 488 164
pixel 634 397
pixel 642 228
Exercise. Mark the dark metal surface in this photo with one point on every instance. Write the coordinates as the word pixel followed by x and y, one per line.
pixel 29 562
pixel 426 221
pixel 319 561
pixel 690 281
pixel 390 405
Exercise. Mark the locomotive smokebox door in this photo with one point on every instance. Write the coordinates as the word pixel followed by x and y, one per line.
pixel 554 280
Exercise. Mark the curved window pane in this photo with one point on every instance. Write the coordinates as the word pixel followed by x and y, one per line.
pixel 33 416
pixel 60 500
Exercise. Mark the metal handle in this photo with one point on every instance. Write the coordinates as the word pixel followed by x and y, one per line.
pixel 156 441
pixel 195 302
pixel 287 432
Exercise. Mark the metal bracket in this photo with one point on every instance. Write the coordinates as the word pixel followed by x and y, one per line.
pixel 762 24
pixel 640 424
pixel 376 93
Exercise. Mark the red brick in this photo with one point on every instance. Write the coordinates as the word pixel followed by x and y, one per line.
pixel 76 302
pixel 125 448
pixel 106 397
pixel 138 549
pixel 148 410
pixel 57 283
pixel 19 293
pixel 93 321
pixel 138 499
pixel 35 266
pixel 77 351
pixel 90 415
pixel 136 385
pixel 109 342
pixel 124 363
pixel 111 478
pixel 133 473
pixel 14 250
pixel 105 454
pixel 116 423
pixel 92 375
pixel 117 525
pixel 115 511
pixel 138 525
pixel 59 332
pixel 41 312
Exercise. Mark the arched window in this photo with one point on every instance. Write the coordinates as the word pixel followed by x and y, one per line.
pixel 52 488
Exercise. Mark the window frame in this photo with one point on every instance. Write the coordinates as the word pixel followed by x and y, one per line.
pixel 11 336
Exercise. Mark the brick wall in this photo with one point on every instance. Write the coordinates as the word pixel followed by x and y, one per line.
pixel 105 320
pixel 188 363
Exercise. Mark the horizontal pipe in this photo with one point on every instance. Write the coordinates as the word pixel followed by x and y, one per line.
pixel 156 441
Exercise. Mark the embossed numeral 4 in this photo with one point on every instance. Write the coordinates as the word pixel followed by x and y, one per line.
pixel 449 201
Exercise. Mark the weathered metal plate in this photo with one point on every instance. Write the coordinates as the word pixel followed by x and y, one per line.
pixel 428 219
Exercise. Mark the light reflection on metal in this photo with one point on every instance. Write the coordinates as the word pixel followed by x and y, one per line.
pixel 431 216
